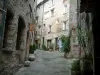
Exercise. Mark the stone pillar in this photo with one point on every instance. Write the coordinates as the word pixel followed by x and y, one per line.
pixel 27 49
pixel 11 34
pixel 23 46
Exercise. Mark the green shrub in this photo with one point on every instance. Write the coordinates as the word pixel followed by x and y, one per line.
pixel 76 65
pixel 32 48
pixel 87 62
pixel 76 68
pixel 44 47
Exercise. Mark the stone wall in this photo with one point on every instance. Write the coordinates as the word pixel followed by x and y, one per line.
pixel 85 37
pixel 9 55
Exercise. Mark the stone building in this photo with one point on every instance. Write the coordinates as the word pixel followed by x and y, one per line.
pixel 54 19
pixel 15 19
pixel 51 22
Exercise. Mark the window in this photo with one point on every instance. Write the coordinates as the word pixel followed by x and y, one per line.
pixel 39 27
pixel 36 19
pixel 49 29
pixel 52 2
pixel 64 25
pixel 40 30
pixel 46 15
pixel 52 12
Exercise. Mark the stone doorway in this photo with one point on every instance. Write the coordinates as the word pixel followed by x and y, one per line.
pixel 48 43
pixel 56 43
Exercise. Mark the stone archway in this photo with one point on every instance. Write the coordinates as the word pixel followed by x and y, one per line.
pixel 20 33
pixel 8 29
pixel 20 41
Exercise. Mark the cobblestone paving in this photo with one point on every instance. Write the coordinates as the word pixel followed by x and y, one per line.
pixel 47 63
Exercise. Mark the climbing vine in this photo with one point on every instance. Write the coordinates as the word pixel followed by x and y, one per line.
pixel 84 33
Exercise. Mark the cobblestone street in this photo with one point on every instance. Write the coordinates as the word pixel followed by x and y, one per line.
pixel 47 63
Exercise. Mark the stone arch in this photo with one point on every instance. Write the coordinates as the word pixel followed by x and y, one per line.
pixel 20 33
pixel 8 24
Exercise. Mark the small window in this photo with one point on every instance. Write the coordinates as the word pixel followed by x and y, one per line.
pixel 37 17
pixel 39 27
pixel 64 25
pixel 49 29
pixel 52 12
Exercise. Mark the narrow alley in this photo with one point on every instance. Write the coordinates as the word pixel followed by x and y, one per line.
pixel 49 37
pixel 47 63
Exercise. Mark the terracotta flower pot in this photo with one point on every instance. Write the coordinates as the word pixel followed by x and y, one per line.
pixel 65 55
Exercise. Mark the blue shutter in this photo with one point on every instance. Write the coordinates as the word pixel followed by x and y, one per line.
pixel 3 5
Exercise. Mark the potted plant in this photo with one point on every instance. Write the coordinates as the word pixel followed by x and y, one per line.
pixel 32 49
pixel 65 45
pixel 44 47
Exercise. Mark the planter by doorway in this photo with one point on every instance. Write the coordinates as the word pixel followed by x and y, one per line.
pixel 65 55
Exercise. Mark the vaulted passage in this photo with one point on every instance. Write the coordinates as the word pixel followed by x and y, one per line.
pixel 21 27
pixel 9 18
